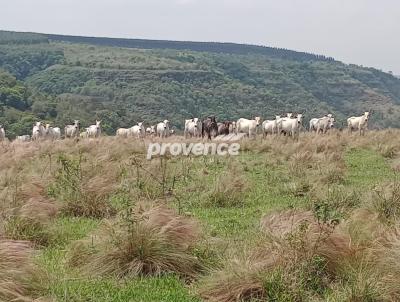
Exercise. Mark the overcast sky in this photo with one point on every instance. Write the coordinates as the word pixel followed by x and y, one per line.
pixel 365 32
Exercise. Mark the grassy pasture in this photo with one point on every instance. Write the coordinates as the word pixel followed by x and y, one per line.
pixel 105 224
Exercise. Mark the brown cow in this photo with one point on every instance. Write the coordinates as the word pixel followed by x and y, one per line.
pixel 209 127
pixel 223 128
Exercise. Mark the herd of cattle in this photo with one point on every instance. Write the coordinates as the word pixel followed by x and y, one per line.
pixel 290 125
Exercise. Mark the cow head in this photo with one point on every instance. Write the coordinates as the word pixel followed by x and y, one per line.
pixel 166 123
pixel 38 124
pixel 98 124
pixel 289 115
pixel 152 129
pixel 76 124
pixel 366 115
pixel 299 118
pixel 329 115
pixel 258 120
pixel 277 117
pixel 232 126
pixel 212 119
pixel 331 122
pixel 141 126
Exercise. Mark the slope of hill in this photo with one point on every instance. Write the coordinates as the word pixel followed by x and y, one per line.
pixel 87 78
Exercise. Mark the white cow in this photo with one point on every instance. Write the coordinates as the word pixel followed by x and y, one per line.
pixel 38 131
pixel 313 124
pixel 84 134
pixel 359 123
pixel 248 126
pixel 325 123
pixel 72 130
pixel 138 131
pixel 192 127
pixel 2 133
pixel 94 130
pixel 23 138
pixel 162 129
pixel 151 130
pixel 270 126
pixel 290 126
pixel 52 133
pixel 123 132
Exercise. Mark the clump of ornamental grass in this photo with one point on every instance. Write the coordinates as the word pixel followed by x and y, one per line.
pixel 82 196
pixel 297 188
pixel 228 191
pixel 20 279
pixel 31 222
pixel 332 173
pixel 388 150
pixel 334 204
pixel 302 259
pixel 386 201
pixel 145 243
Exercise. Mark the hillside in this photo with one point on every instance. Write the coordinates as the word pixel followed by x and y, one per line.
pixel 123 81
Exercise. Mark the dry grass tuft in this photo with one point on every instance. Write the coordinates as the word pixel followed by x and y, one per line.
pixel 31 222
pixel 386 201
pixel 20 279
pixel 228 191
pixel 149 242
pixel 301 259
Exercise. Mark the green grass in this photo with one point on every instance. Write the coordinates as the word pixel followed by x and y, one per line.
pixel 366 168
pixel 238 226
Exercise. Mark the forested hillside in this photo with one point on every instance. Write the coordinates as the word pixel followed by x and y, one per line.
pixel 121 81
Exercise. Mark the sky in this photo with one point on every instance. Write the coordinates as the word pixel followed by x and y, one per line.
pixel 364 32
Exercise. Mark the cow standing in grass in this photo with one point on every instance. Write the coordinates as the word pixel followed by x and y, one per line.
pixel 248 126
pixel 270 126
pixel 138 131
pixel 151 131
pixel 224 128
pixel 94 131
pixel 192 128
pixel 322 124
pixel 123 132
pixel 290 126
pixel 162 129
pixel 2 133
pixel 359 123
pixel 72 130
pixel 38 131
pixel 52 133
pixel 209 127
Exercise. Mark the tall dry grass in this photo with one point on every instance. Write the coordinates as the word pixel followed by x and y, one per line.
pixel 20 279
pixel 302 259
pixel 148 242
